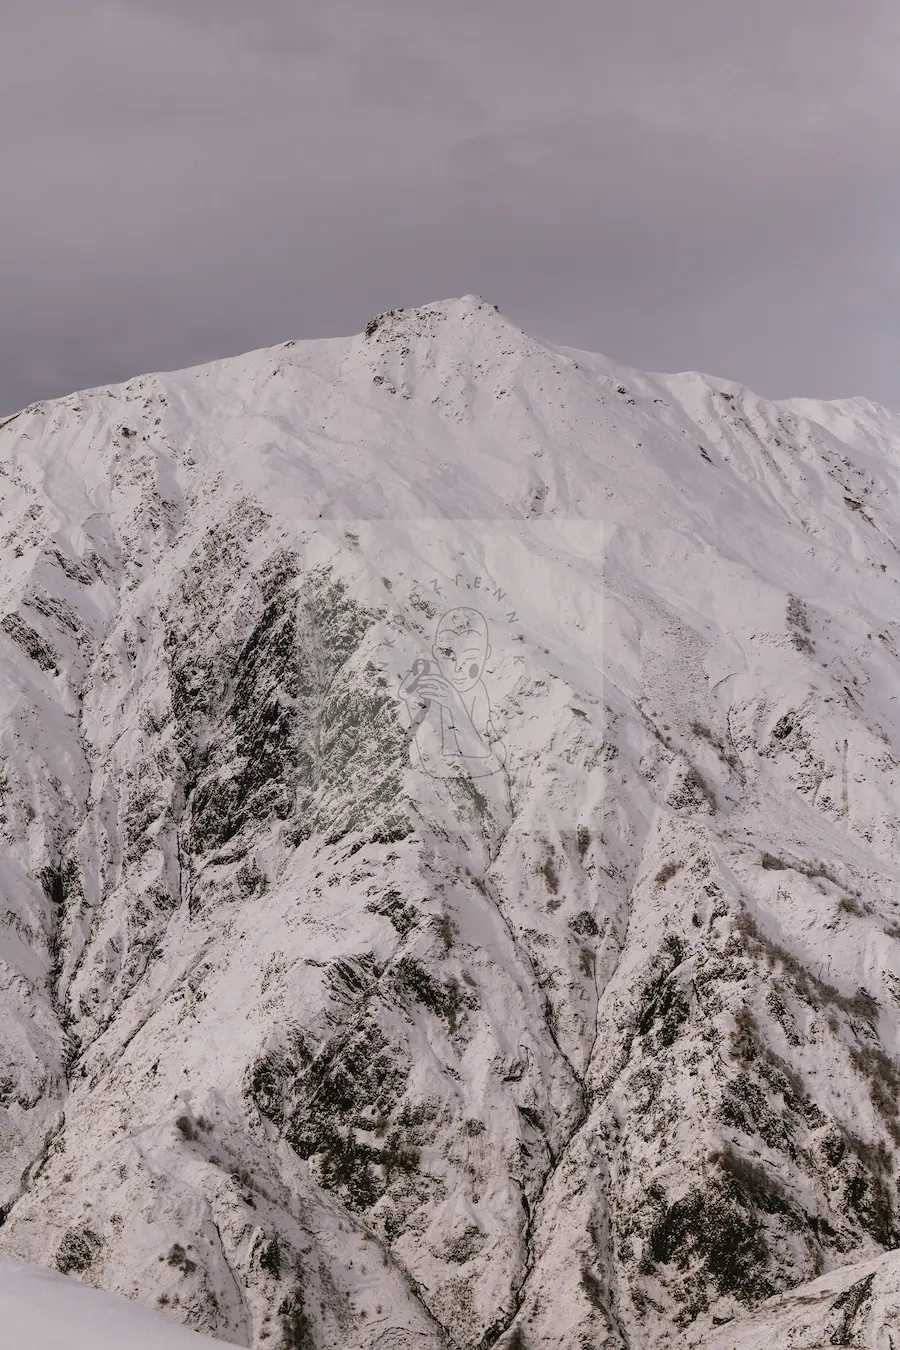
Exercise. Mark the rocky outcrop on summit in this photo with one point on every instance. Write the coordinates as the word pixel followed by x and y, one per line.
pixel 590 1039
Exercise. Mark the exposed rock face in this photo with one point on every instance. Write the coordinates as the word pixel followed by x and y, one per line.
pixel 590 1040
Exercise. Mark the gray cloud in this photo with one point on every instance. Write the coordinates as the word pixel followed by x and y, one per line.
pixel 705 185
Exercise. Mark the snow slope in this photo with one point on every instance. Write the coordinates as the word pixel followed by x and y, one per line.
pixel 318 1036
pixel 40 1310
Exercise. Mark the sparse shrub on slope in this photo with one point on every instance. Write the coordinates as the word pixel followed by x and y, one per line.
pixel 78 1250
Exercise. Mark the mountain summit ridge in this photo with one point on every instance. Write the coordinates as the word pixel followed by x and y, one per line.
pixel 554 1006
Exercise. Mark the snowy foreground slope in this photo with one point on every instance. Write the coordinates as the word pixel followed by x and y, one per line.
pixel 340 1009
pixel 40 1310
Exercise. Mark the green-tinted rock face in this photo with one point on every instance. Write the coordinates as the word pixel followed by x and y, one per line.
pixel 293 724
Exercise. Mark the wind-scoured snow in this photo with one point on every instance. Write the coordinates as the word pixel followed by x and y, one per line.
pixel 319 1029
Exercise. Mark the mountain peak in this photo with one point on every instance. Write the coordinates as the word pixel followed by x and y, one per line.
pixel 457 310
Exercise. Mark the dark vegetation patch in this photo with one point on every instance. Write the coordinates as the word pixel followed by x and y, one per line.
pixel 665 1006
pixel 747 1044
pixel 447 930
pixel 258 736
pixel 882 1077
pixel 725 753
pixel 859 1173
pixel 63 889
pixel 351 978
pixel 296 1328
pixel 733 1232
pixel 547 870
pixel 412 981
pixel 269 1256
pixel 850 1303
pixel 592 1287
pixel 398 1156
pixel 273 1075
pixel 584 924
pixel 745 1107
pixel 75 569
pixel 78 1250
pixel 692 792
pixel 864 1171
pixel 300 733
pixel 178 1258
pixel 717 1236
pixel 250 879
pixel 31 643
pixel 811 988
pixel 336 1107
pixel 777 1007
pixel 770 863
pixel 469 796
pixel 666 873
pixel 785 726
pixel 54 886
pixel 402 915
pixel 56 610
pixel 144 805
pixel 465 1245
pixel 798 625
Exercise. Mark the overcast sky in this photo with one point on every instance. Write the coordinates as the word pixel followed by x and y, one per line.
pixel 683 184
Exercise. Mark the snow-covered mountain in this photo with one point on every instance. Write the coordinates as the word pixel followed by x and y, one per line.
pixel 449 891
